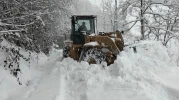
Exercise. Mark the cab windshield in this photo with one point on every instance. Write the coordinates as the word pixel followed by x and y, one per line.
pixel 87 23
pixel 82 26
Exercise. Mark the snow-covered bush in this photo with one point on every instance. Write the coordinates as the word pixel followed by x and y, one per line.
pixel 10 46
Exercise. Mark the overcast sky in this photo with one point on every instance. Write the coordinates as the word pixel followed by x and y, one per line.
pixel 96 2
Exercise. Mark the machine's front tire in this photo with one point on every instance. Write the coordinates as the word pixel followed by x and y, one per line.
pixel 94 56
pixel 66 51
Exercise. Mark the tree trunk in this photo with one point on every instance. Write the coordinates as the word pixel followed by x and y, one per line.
pixel 115 17
pixel 142 20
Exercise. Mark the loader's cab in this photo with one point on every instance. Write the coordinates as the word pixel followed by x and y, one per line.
pixel 77 34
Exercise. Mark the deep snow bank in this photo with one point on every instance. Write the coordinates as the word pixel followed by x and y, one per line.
pixel 27 75
pixel 133 76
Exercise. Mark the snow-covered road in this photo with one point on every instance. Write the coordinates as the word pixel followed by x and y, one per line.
pixel 133 76
pixel 47 87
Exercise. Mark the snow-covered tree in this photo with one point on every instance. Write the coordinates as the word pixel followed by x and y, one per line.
pixel 157 17
pixel 33 25
pixel 108 13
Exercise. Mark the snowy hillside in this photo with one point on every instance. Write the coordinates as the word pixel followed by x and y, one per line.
pixel 29 70
pixel 146 75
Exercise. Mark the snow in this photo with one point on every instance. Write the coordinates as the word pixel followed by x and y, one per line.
pixel 27 76
pixel 68 40
pixel 93 34
pixel 113 39
pixel 130 77
pixel 91 44
pixel 146 75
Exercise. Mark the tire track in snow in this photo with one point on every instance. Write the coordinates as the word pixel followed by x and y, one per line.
pixel 51 69
pixel 47 87
pixel 172 92
pixel 33 88
pixel 62 91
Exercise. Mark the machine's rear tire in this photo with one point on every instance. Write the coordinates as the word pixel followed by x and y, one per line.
pixel 94 56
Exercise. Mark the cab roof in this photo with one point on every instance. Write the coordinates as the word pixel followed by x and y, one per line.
pixel 83 16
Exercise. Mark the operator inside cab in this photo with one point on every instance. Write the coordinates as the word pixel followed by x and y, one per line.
pixel 81 31
pixel 82 27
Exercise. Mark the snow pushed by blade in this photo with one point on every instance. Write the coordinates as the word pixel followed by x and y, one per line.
pixel 91 44
pixel 133 76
